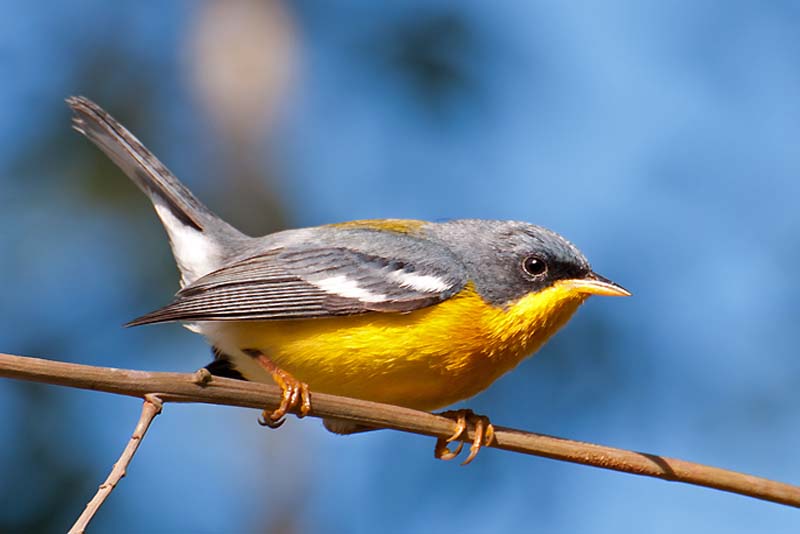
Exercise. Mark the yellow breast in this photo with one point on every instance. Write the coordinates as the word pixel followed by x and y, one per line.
pixel 425 359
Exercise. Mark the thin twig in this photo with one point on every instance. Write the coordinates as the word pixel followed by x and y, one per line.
pixel 150 408
pixel 176 387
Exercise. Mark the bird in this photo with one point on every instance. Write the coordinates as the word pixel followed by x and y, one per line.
pixel 408 312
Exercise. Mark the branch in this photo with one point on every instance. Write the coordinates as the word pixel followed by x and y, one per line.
pixel 201 387
pixel 150 409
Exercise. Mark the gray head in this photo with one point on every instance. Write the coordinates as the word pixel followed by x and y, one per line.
pixel 508 259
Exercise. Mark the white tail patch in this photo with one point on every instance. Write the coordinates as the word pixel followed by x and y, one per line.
pixel 348 288
pixel 195 254
pixel 420 282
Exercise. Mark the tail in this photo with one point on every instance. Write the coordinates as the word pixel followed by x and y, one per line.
pixel 200 240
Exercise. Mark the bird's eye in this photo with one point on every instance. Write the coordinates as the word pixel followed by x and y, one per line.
pixel 534 266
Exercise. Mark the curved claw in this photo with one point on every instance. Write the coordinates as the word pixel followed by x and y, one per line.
pixel 295 394
pixel 305 400
pixel 443 452
pixel 483 435
pixel 264 420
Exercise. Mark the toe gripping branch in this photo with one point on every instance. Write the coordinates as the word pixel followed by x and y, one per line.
pixel 483 435
pixel 295 394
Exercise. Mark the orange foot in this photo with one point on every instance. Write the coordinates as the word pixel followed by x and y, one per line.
pixel 295 393
pixel 484 435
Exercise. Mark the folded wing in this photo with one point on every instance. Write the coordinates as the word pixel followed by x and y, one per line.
pixel 305 281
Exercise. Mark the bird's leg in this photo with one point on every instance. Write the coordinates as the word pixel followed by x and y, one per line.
pixel 295 393
pixel 483 435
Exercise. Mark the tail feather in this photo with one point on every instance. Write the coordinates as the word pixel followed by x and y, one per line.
pixel 198 237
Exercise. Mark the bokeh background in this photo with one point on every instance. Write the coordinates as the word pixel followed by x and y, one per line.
pixel 663 138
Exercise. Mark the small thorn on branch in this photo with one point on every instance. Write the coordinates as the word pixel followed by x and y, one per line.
pixel 202 376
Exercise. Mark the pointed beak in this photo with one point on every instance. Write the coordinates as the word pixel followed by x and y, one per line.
pixel 594 284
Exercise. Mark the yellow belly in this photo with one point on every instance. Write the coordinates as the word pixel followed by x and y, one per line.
pixel 425 359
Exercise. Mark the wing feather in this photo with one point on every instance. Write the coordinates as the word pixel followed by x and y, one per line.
pixel 307 282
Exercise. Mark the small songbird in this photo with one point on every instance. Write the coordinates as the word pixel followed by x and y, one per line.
pixel 405 312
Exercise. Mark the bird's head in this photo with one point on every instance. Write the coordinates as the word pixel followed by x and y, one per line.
pixel 532 277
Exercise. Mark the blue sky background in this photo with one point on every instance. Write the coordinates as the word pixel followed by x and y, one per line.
pixel 661 138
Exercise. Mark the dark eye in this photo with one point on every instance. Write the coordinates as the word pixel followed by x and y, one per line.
pixel 534 266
